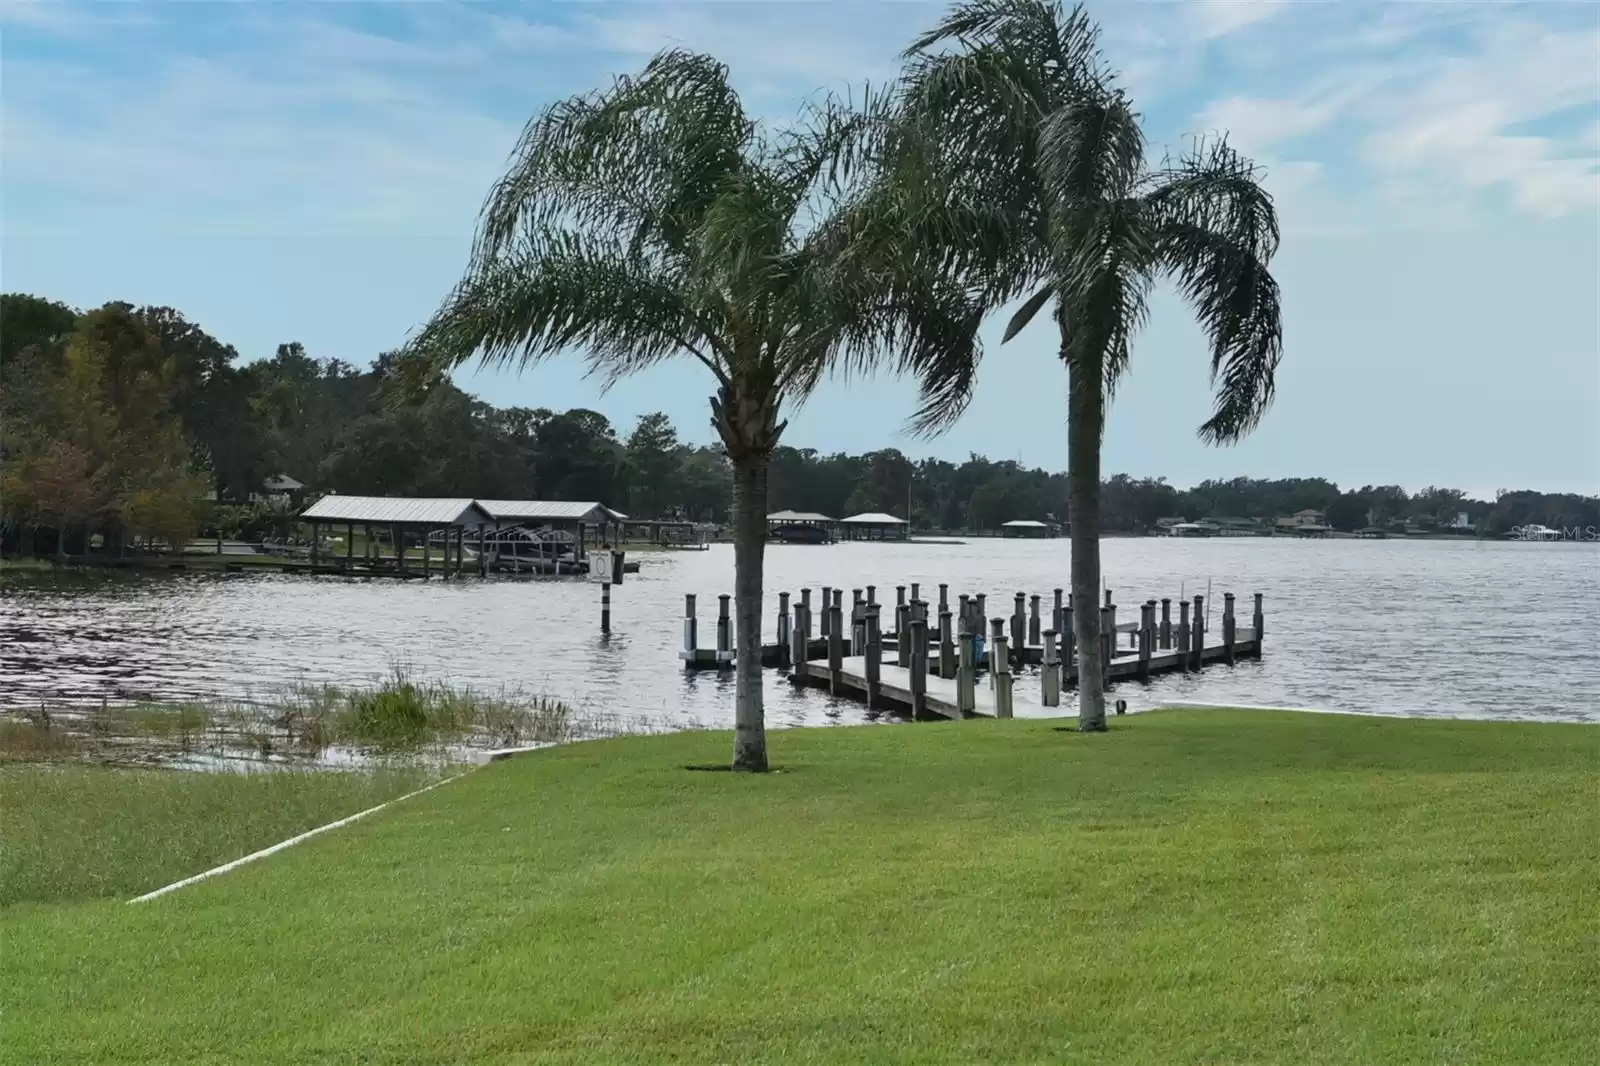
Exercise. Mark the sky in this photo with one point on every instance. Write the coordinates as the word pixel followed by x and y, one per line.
pixel 313 172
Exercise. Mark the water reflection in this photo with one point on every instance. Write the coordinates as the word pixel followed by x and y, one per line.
pixel 1434 627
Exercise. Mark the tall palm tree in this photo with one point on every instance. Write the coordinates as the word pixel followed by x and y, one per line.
pixel 655 220
pixel 1022 171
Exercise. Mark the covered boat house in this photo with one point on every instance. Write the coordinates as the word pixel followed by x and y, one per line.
pixel 800 527
pixel 402 522
pixel 874 525
pixel 1028 527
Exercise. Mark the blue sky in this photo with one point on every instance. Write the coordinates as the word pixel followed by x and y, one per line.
pixel 312 172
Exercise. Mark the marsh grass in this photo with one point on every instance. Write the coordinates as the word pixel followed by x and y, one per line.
pixel 396 717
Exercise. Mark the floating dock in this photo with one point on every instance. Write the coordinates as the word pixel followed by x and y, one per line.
pixel 968 664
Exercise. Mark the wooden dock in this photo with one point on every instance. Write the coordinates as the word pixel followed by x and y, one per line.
pixel 940 696
pixel 969 663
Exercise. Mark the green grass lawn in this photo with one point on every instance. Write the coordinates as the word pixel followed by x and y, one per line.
pixel 70 833
pixel 1193 887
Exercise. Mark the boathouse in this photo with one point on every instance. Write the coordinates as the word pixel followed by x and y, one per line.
pixel 874 526
pixel 402 522
pixel 800 527
pixel 1028 527
pixel 580 523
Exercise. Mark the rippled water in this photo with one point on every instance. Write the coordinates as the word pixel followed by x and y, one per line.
pixel 1481 629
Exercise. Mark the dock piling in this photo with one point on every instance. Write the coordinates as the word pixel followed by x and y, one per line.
pixel 1033 620
pixel 1256 620
pixel 858 623
pixel 966 671
pixel 1147 632
pixel 1001 678
pixel 1108 644
pixel 1019 626
pixel 947 646
pixel 784 640
pixel 690 627
pixel 916 591
pixel 1069 642
pixel 724 631
pixel 874 652
pixel 1183 635
pixel 919 668
pixel 872 595
pixel 835 651
pixel 799 636
pixel 1228 630
pixel 1197 633
pixel 605 606
pixel 1056 621
pixel 1166 623
pixel 1050 675
pixel 997 640
pixel 827 615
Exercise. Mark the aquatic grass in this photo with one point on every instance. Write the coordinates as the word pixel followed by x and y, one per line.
pixel 397 716
pixel 73 833
pixel 1251 888
pixel 35 739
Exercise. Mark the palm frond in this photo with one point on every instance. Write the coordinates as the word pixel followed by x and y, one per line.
pixel 562 291
pixel 1215 230
pixel 640 159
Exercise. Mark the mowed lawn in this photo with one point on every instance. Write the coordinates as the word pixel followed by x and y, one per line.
pixel 1193 887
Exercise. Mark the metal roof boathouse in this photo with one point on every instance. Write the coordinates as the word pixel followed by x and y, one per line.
pixel 403 522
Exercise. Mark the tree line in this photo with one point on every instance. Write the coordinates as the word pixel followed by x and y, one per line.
pixel 129 418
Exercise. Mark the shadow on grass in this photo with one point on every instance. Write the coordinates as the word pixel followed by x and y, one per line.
pixel 724 768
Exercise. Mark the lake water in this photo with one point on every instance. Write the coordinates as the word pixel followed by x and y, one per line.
pixel 1472 628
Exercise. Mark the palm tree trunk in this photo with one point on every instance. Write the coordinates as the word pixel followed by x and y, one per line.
pixel 1085 419
pixel 749 545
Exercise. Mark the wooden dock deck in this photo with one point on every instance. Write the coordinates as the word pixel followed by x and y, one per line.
pixel 960 661
pixel 939 700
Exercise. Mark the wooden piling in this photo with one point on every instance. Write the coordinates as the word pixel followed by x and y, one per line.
pixel 1056 621
pixel 1183 635
pixel 1001 678
pixel 966 669
pixel 916 591
pixel 1050 673
pixel 919 667
pixel 947 645
pixel 605 606
pixel 1256 620
pixel 858 623
pixel 944 597
pixel 827 612
pixel 800 641
pixel 1069 641
pixel 1147 615
pixel 997 639
pixel 784 637
pixel 1019 625
pixel 690 634
pixel 724 631
pixel 1227 626
pixel 1033 620
pixel 427 550
pixel 874 655
pixel 1197 633
pixel 1166 623
pixel 1108 644
pixel 835 651
pixel 872 594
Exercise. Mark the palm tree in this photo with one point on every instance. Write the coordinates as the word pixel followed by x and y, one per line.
pixel 654 220
pixel 1022 170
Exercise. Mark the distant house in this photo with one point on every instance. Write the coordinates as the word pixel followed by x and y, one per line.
pixel 1028 527
pixel 1307 523
pixel 280 490
pixel 1168 523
